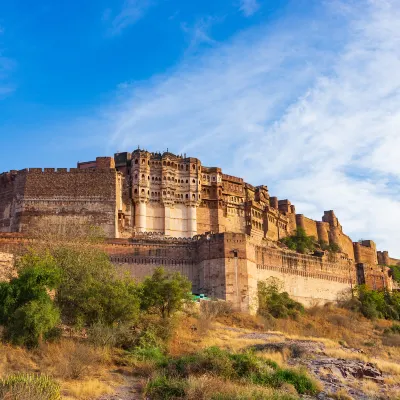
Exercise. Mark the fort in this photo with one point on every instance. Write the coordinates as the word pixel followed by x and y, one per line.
pixel 169 210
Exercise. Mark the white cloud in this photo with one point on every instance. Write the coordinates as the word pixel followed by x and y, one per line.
pixel 131 12
pixel 310 107
pixel 249 7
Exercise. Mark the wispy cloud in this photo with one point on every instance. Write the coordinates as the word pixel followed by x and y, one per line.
pixel 130 13
pixel 199 33
pixel 310 107
pixel 249 7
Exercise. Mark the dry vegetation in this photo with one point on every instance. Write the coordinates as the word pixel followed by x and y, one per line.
pixel 86 372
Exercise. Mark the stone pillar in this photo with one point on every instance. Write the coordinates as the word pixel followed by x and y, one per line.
pixel 167 220
pixel 141 216
pixel 192 220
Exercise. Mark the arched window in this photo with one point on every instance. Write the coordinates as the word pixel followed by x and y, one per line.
pixel 187 196
pixel 193 167
pixel 135 191
pixel 187 167
pixel 165 178
pixel 164 163
pixel 148 178
pixel 143 161
pixel 193 181
pixel 142 176
pixel 136 161
pixel 152 178
pixel 168 164
pixel 187 181
pixel 142 190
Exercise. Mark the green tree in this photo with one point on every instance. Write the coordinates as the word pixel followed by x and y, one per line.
pixel 165 293
pixel 300 241
pixel 26 307
pixel 90 289
pixel 32 322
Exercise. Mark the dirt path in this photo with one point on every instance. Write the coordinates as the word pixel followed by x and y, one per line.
pixel 129 390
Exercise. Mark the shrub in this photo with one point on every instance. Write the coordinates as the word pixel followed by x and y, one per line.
pixel 164 293
pixel 162 387
pixel 32 322
pixel 273 302
pixel 374 304
pixel 29 387
pixel 90 290
pixel 241 367
pixel 26 307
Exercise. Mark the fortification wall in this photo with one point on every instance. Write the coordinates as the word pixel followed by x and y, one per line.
pixel 306 278
pixel 385 259
pixel 309 225
pixel 365 252
pixel 12 186
pixel 60 197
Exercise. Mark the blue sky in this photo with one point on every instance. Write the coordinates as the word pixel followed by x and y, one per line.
pixel 303 96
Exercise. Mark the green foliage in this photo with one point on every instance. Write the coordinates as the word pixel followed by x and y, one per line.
pixel 165 293
pixel 26 308
pixel 396 272
pixel 163 388
pixel 90 290
pixel 300 241
pixel 32 322
pixel 29 387
pixel 375 304
pixel 273 302
pixel 244 367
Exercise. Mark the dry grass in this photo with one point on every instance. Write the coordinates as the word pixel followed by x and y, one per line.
pixel 279 357
pixel 78 367
pixel 87 389
pixel 388 367
pixel 340 395
pixel 71 360
pixel 206 386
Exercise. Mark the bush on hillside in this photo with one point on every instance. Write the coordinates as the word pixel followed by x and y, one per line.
pixel 241 367
pixel 273 302
pixel 374 304
pixel 27 310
